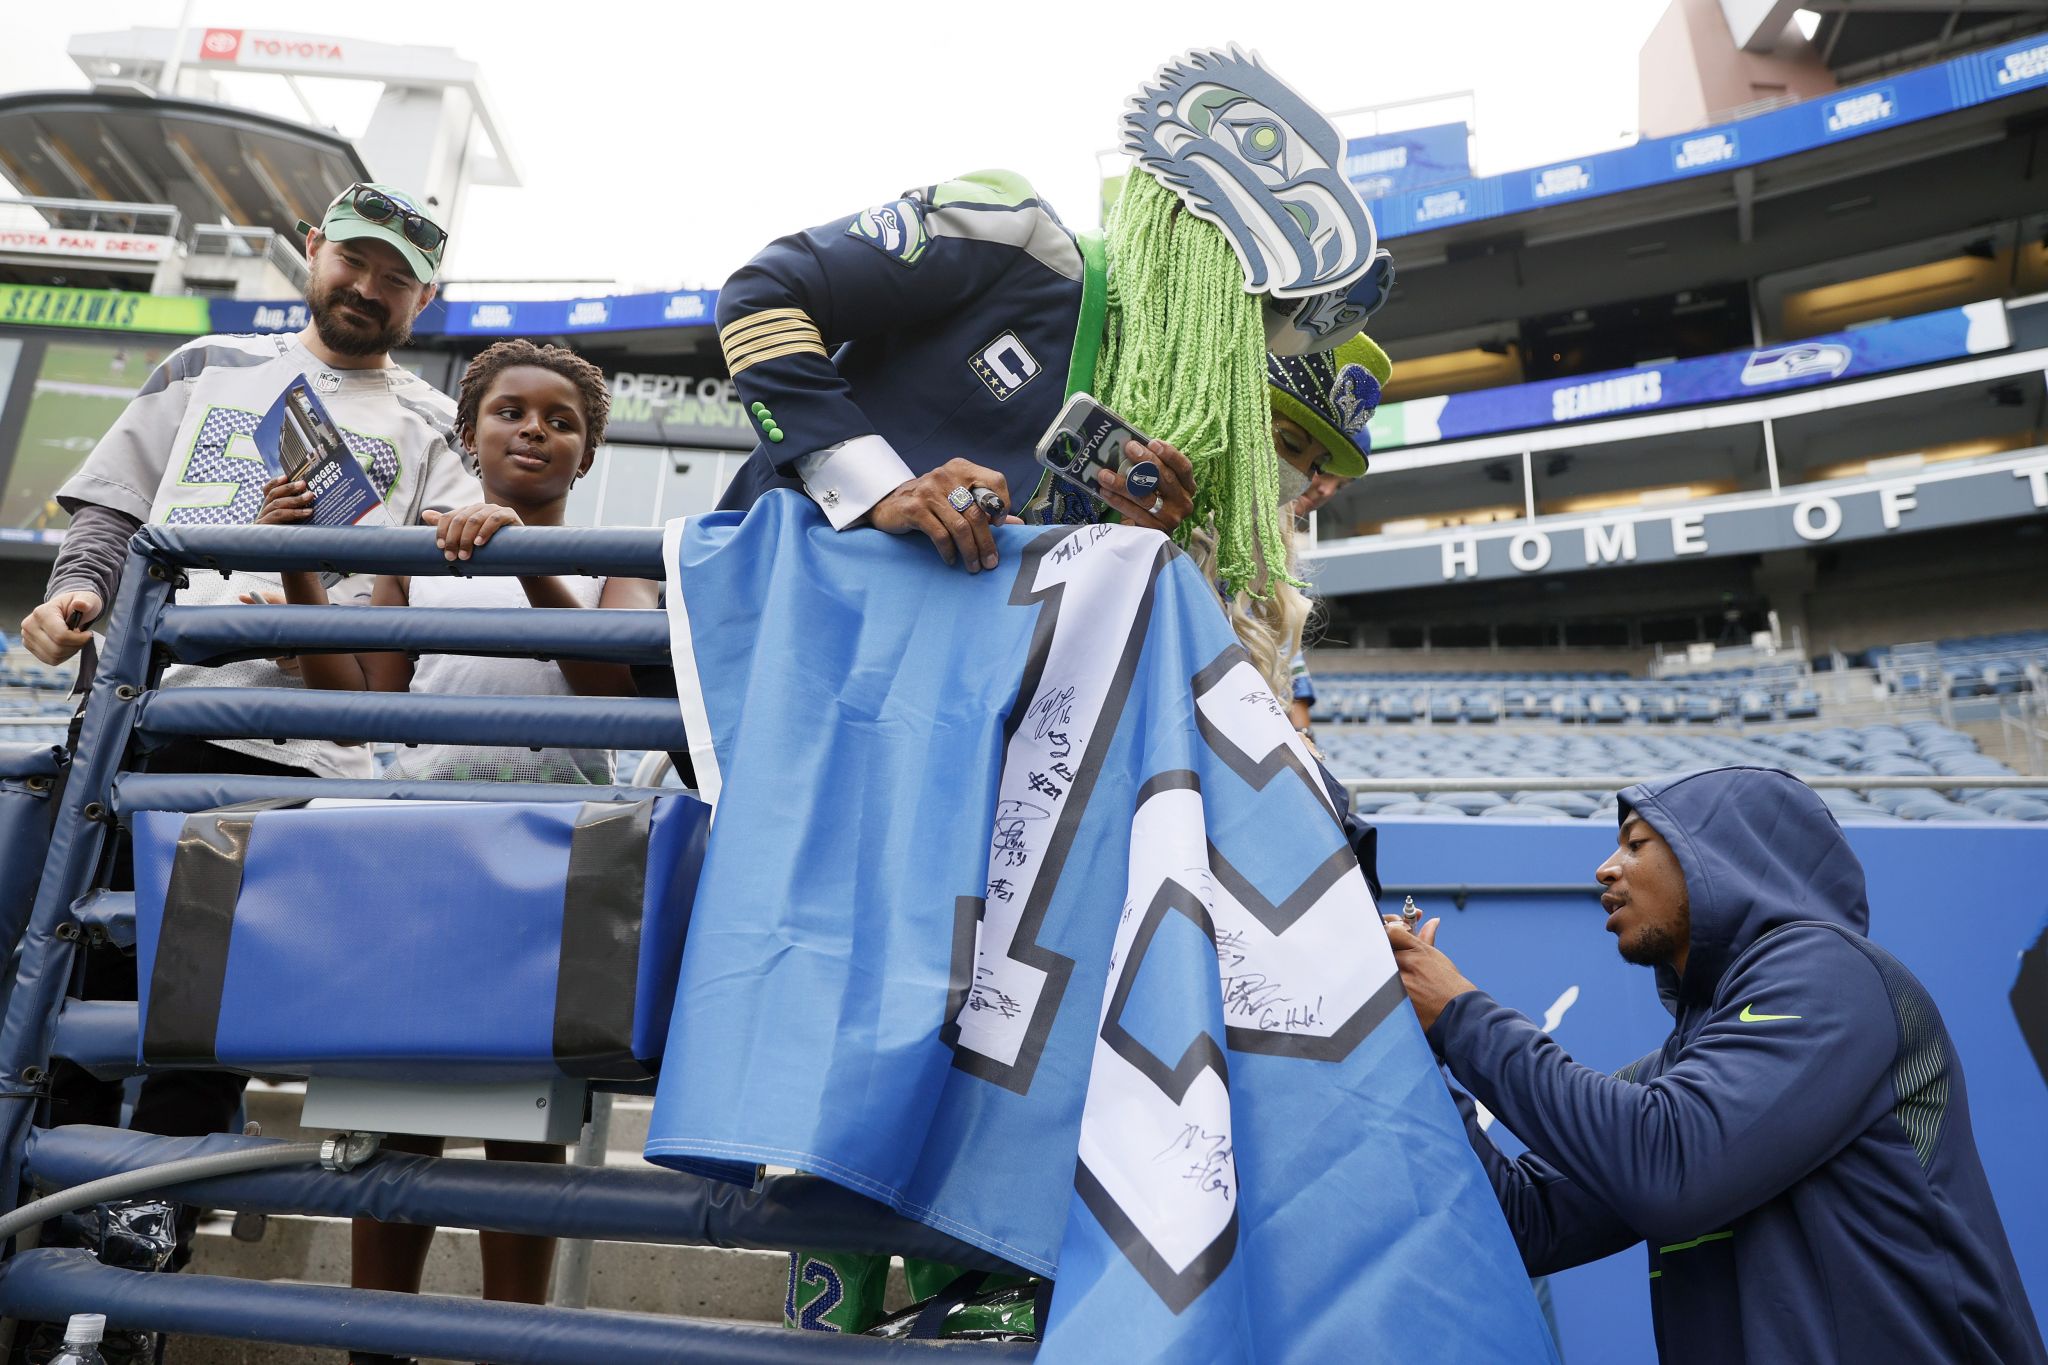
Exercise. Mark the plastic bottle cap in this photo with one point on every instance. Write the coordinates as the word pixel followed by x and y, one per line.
pixel 84 1329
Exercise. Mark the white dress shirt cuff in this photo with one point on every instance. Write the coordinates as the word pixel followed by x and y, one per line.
pixel 850 478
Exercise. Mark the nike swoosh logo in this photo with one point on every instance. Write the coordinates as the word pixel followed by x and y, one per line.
pixel 1749 1016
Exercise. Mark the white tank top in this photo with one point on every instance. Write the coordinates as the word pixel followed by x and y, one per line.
pixel 471 676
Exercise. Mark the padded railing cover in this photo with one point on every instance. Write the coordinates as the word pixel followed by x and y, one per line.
pixel 606 1203
pixel 410 718
pixel 49 1285
pixel 211 635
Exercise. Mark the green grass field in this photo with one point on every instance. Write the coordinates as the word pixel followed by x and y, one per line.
pixel 81 389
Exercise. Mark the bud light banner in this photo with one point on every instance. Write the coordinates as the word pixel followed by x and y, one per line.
pixel 1900 98
pixel 1394 163
pixel 1924 340
pixel 499 317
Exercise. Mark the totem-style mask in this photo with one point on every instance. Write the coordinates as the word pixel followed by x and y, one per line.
pixel 1323 322
pixel 1244 152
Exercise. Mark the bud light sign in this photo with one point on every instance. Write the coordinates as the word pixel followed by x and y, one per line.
pixel 1394 163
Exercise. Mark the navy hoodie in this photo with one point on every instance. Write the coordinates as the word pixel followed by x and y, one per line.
pixel 1798 1154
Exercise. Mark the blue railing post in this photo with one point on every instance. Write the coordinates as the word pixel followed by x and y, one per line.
pixel 84 823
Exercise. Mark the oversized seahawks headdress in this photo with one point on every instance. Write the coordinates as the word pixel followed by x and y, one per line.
pixel 1245 152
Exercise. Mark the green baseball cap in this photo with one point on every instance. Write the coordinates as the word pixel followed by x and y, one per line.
pixel 1333 394
pixel 390 215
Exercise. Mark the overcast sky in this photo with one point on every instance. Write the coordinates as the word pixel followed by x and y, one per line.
pixel 663 143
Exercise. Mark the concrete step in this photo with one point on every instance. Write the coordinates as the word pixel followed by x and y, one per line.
pixel 701 1282
pixel 704 1282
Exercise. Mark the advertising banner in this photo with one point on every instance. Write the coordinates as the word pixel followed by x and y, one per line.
pixel 677 410
pixel 500 317
pixel 1926 339
pixel 109 310
pixel 111 246
pixel 548 317
pixel 1904 97
pixel 1394 163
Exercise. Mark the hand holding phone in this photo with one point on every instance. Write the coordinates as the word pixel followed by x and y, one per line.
pixel 1086 438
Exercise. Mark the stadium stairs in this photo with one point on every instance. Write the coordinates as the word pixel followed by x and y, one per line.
pixel 653 1233
pixel 701 1282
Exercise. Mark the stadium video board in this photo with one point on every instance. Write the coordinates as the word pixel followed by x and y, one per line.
pixel 79 387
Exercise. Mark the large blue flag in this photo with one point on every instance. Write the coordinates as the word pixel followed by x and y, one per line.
pixel 1025 912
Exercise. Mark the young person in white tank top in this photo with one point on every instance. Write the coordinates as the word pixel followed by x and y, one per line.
pixel 531 417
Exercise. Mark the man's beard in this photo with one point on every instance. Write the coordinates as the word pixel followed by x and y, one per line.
pixel 346 336
pixel 1651 946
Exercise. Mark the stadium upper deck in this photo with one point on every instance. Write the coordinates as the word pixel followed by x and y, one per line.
pixel 1750 367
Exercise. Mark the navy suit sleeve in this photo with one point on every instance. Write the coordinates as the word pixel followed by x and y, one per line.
pixel 784 313
pixel 1556 1224
pixel 1792 1064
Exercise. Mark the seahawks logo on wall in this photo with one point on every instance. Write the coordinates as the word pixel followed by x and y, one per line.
pixel 895 229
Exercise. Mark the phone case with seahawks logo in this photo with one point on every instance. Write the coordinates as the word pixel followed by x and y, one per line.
pixel 1087 437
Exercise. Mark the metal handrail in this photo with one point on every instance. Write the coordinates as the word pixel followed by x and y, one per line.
pixel 96 214
pixel 125 704
pixel 218 240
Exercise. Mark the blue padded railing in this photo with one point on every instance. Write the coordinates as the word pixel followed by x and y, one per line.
pixel 644 1204
pixel 50 1285
pixel 216 635
pixel 127 717
pixel 409 718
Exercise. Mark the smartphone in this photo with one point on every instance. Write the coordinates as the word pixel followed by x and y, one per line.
pixel 1087 437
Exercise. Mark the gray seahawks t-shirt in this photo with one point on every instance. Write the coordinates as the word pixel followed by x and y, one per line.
pixel 182 454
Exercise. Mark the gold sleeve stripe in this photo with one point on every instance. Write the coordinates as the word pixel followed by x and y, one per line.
pixel 738 329
pixel 767 336
pixel 745 341
pixel 734 367
pixel 752 351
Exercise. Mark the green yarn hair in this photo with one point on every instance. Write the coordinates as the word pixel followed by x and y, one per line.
pixel 1184 359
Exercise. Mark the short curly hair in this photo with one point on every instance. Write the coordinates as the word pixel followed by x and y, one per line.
pixel 504 355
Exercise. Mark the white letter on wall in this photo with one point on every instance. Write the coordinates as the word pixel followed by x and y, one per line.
pixel 1606 544
pixel 1461 554
pixel 1689 534
pixel 1830 518
pixel 1529 551
pixel 1894 499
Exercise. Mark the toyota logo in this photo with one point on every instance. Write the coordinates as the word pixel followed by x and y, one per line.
pixel 221 44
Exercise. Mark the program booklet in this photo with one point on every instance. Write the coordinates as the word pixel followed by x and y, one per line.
pixel 299 440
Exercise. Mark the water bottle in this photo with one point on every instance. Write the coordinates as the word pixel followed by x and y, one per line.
pixel 82 1340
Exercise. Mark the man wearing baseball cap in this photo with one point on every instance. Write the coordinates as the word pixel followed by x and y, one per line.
pixel 181 454
pixel 372 263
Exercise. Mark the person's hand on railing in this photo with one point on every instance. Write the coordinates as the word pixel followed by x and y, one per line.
pixel 57 629
pixel 286 502
pixel 465 530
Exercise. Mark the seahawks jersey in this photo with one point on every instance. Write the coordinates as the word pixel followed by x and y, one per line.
pixel 183 454
pixel 942 322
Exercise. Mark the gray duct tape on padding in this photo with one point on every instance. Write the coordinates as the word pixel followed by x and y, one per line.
pixel 602 900
pixel 199 918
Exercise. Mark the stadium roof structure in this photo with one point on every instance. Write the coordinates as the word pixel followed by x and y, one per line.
pixel 434 128
pixel 211 161
pixel 1936 149
pixel 1858 39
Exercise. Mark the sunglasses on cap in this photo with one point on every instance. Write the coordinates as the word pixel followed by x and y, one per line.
pixel 374 206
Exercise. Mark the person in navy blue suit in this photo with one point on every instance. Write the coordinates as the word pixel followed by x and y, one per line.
pixel 896 360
